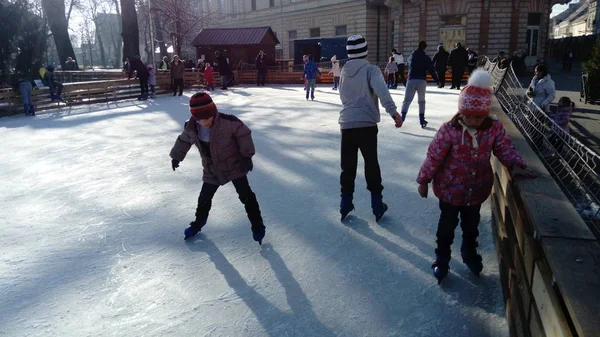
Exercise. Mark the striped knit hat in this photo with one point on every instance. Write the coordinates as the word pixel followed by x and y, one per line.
pixel 202 106
pixel 476 98
pixel 356 46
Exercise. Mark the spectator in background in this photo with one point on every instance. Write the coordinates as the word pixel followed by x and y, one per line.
pixel 440 63
pixel 71 64
pixel 541 90
pixel 501 60
pixel 458 60
pixel 55 87
pixel 471 60
pixel 310 75
pixel 200 65
pixel 164 64
pixel 151 80
pixel 399 59
pixel 568 60
pixel 209 77
pixel 564 111
pixel 261 68
pixel 224 69
pixel 126 66
pixel 24 86
pixel 304 61
pixel 136 64
pixel 177 73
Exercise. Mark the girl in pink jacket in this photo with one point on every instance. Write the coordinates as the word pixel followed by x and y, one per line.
pixel 458 163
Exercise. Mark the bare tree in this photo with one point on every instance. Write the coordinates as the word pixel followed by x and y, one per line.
pixel 130 31
pixel 55 14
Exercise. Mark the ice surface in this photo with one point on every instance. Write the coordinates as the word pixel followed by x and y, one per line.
pixel 92 221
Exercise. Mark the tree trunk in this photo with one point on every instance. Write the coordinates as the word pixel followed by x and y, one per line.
pixel 158 33
pixel 178 37
pixel 101 46
pixel 130 32
pixel 55 14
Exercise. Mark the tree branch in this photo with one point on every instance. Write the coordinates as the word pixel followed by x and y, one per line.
pixel 70 9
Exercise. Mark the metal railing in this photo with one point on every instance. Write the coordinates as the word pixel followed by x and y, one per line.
pixel 574 167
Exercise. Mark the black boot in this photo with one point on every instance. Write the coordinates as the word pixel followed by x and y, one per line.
pixel 378 206
pixel 346 205
pixel 441 265
pixel 253 211
pixel 471 258
pixel 422 121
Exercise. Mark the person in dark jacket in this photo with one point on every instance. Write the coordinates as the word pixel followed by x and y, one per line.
pixel 458 61
pixel 71 64
pixel 310 75
pixel 261 68
pixel 501 60
pixel 226 147
pixel 136 64
pixel 177 74
pixel 440 63
pixel 54 86
pixel 471 60
pixel 224 69
pixel 418 64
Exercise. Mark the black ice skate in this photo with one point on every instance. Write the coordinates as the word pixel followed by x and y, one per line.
pixel 471 258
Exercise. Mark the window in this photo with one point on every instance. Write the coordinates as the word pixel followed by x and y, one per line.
pixel 315 32
pixel 271 3
pixel 340 30
pixel 292 34
pixel 253 5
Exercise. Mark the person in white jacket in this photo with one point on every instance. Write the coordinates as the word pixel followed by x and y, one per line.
pixel 542 90
pixel 335 70
pixel 399 59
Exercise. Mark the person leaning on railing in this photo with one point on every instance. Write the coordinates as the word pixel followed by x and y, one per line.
pixel 542 90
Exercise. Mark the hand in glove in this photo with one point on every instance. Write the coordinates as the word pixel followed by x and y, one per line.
pixel 174 164
pixel 247 163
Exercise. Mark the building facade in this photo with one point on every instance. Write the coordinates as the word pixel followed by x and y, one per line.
pixel 581 19
pixel 321 25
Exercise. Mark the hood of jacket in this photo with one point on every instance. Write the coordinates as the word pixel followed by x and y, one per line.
pixel 351 68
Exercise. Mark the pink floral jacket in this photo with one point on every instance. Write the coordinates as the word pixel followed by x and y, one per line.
pixel 459 164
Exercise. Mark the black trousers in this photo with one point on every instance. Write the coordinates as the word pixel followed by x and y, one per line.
pixel 178 84
pixel 143 83
pixel 442 75
pixel 400 74
pixel 457 73
pixel 365 140
pixel 469 223
pixel 247 197
pixel 390 80
pixel 260 78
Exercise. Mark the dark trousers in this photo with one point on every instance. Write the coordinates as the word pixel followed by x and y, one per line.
pixel 247 197
pixel 178 84
pixel 442 75
pixel 336 82
pixel 224 81
pixel 55 88
pixel 469 222
pixel 400 74
pixel 365 140
pixel 260 78
pixel 143 83
pixel 390 80
pixel 457 73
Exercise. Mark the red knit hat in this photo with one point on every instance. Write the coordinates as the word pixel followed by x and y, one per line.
pixel 476 98
pixel 202 106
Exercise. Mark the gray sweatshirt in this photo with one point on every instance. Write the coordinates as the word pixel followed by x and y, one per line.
pixel 361 84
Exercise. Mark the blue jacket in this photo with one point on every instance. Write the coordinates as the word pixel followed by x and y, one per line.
pixel 310 70
pixel 418 64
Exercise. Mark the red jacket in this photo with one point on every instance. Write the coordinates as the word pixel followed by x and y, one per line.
pixel 209 75
pixel 461 171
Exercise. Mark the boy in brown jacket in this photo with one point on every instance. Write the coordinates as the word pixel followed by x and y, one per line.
pixel 226 148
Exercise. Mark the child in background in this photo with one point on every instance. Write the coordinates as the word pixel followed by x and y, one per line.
pixel 335 70
pixel 226 147
pixel 563 113
pixel 458 162
pixel 209 77
pixel 151 80
pixel 390 71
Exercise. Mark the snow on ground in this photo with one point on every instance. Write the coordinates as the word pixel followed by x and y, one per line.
pixel 93 217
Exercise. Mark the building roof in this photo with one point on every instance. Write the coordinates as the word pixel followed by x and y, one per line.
pixel 233 36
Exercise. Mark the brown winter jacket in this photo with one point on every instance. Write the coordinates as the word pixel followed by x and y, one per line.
pixel 177 70
pixel 231 149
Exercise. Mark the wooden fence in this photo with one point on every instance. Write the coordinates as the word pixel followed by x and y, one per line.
pixel 549 259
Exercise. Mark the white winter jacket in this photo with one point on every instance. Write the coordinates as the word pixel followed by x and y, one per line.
pixel 543 92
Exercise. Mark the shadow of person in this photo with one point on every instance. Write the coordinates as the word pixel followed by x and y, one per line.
pixel 296 299
pixel 472 291
pixel 301 322
pixel 361 226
